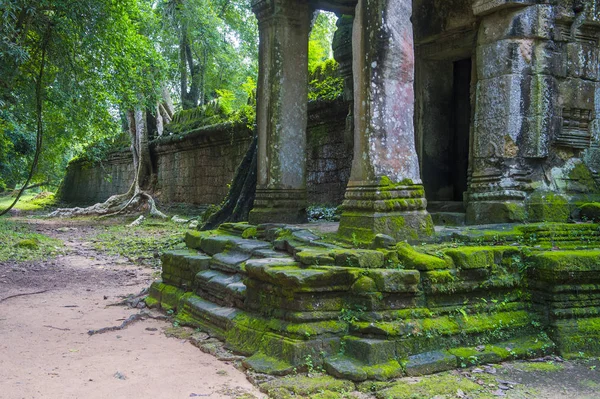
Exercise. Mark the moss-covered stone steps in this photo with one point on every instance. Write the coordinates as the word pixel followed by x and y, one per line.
pixel 198 312
pixel 179 268
pixel 215 242
pixel 230 261
pixel 545 235
pixel 221 288
pixel 290 299
pixel 381 359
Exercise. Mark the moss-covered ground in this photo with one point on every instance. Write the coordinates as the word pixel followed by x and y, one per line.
pixel 29 201
pixel 544 378
pixel 20 242
pixel 141 244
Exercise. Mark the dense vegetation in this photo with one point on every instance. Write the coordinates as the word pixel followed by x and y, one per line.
pixel 72 70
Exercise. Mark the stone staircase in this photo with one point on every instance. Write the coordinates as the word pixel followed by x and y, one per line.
pixel 285 298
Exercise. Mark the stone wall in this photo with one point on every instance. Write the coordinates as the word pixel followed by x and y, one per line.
pixel 87 183
pixel 197 167
pixel 329 152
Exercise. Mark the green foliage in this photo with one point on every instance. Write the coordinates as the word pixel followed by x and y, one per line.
pixel 325 82
pixel 19 243
pixel 100 58
pixel 321 36
pixel 221 40
pixel 30 202
pixel 142 244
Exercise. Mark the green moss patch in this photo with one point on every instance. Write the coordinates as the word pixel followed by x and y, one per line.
pixel 306 385
pixel 442 386
pixel 543 367
pixel 19 243
pixel 590 211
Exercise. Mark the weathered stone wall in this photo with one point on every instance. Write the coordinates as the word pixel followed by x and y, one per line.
pixel 197 168
pixel 87 183
pixel 329 156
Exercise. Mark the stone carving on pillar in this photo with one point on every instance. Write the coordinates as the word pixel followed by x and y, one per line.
pixel 281 116
pixel 385 194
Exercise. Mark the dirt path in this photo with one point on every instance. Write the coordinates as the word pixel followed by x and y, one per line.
pixel 47 353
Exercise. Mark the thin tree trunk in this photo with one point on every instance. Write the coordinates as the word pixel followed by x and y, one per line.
pixel 240 198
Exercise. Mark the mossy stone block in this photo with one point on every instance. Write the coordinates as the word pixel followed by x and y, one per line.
pixel 305 385
pixel 346 368
pixel 548 207
pixel 412 259
pixel 567 266
pixel 170 297
pixel 215 244
pixel 262 363
pixel 316 257
pixel 155 290
pixel 370 351
pixel 193 238
pixel 322 278
pixel 363 285
pixel 590 211
pixel 366 259
pixel 470 356
pixel 472 257
pixel 430 362
pixel 396 281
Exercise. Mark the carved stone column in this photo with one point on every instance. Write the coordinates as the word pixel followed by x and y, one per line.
pixel 385 194
pixel 281 114
pixel 516 107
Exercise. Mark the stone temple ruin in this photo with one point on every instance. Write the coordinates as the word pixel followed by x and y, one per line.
pixel 476 111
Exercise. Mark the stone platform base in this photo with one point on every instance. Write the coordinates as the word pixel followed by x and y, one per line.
pixel 289 300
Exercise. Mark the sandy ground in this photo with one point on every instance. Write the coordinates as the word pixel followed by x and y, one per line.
pixel 45 351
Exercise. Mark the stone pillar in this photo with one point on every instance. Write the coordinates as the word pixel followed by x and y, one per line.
pixel 385 194
pixel 342 52
pixel 281 114
pixel 516 107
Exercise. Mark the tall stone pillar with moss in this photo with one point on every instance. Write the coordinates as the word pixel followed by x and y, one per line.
pixel 281 114
pixel 385 193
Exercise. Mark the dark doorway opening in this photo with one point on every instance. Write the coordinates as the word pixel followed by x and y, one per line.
pixel 443 123
pixel 461 125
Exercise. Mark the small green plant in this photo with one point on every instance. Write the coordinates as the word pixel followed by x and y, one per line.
pixel 351 315
pixel 355 241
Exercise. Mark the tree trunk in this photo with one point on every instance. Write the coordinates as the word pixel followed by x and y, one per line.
pixel 136 199
pixel 240 199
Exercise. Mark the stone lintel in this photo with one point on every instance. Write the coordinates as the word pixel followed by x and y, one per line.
pixel 483 7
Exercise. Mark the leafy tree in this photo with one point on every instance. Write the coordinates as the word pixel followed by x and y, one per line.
pixel 87 60
pixel 212 43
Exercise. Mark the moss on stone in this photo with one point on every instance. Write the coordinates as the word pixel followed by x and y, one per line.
pixel 307 385
pixel 250 232
pixel 429 387
pixel 29 243
pixel 548 207
pixel 544 367
pixel 582 174
pixel 590 211
pixel 412 259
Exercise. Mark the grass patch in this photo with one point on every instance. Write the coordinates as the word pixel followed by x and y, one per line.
pixel 29 202
pixel 19 243
pixel 141 244
pixel 544 367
